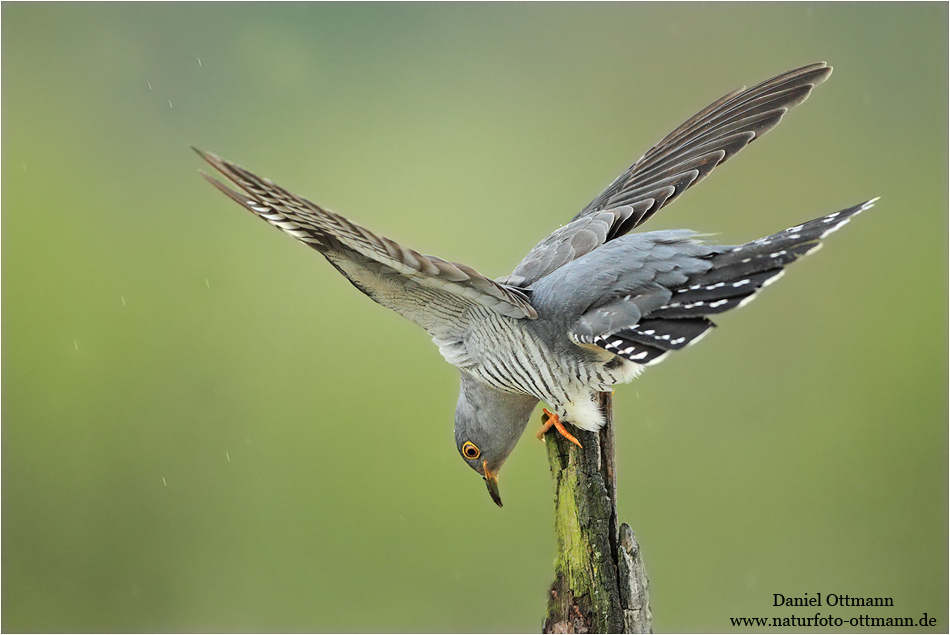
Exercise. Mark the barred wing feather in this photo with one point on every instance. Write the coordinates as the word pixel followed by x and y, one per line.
pixel 430 291
pixel 680 160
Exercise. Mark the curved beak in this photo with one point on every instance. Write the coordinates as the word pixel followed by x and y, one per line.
pixel 491 480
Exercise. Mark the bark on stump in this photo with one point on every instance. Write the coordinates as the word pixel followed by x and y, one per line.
pixel 600 583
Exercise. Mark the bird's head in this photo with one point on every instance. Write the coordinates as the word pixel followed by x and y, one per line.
pixel 488 424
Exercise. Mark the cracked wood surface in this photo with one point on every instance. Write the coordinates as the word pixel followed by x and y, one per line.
pixel 600 583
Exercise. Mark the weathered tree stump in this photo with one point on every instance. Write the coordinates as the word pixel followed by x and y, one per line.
pixel 600 583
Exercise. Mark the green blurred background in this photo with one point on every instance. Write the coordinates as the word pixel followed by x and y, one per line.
pixel 206 428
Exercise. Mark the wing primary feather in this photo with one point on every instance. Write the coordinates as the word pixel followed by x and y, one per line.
pixel 359 252
pixel 679 161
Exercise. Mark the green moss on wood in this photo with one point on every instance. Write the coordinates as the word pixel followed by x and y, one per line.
pixel 587 594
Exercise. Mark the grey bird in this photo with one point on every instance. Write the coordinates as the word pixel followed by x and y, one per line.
pixel 591 305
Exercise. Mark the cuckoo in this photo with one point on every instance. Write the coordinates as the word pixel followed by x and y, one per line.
pixel 592 304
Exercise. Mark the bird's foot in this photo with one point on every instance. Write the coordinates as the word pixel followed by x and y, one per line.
pixel 555 421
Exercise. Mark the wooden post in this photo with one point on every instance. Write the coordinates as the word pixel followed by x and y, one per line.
pixel 600 583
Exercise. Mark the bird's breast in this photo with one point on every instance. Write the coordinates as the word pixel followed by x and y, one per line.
pixel 519 356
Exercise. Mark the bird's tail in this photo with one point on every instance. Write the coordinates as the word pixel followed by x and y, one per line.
pixel 737 274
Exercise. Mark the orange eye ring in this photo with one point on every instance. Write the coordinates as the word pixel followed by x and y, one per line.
pixel 470 450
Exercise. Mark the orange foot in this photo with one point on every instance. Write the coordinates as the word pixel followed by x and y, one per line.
pixel 554 420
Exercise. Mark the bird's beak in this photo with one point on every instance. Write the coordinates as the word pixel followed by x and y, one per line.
pixel 491 480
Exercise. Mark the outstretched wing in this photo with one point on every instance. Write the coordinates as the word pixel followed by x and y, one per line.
pixel 682 159
pixel 434 293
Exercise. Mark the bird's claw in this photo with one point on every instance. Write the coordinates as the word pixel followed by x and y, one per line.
pixel 555 421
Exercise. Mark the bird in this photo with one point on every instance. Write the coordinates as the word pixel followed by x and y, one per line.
pixel 592 304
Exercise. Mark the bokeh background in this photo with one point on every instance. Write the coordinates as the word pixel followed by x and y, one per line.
pixel 206 428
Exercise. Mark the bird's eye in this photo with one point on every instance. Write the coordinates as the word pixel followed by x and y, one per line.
pixel 470 450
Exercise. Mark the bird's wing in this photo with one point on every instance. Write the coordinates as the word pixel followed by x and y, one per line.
pixel 662 300
pixel 430 291
pixel 682 159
